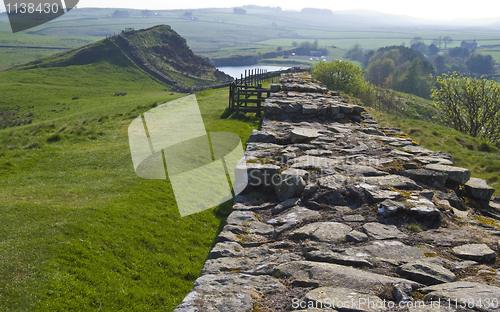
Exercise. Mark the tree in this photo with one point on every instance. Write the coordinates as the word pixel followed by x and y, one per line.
pixel 433 50
pixel 440 64
pixel 470 105
pixel 480 64
pixel 380 73
pixel 315 44
pixel 413 82
pixel 355 53
pixel 120 14
pixel 419 46
pixel 459 52
pixel 438 41
pixel 239 11
pixel 447 40
pixel 415 40
pixel 340 76
pixel 367 57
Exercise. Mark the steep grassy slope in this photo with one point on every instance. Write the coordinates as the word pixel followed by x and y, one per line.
pixel 168 53
pixel 158 51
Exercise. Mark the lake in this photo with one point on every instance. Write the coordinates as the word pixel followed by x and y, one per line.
pixel 237 71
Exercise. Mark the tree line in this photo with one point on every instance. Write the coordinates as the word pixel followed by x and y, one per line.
pixel 408 69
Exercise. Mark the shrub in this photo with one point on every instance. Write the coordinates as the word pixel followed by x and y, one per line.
pixel 470 105
pixel 54 138
pixel 340 75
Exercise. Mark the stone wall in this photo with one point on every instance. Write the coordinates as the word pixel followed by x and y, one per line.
pixel 341 212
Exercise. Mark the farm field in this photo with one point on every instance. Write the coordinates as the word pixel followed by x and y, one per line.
pixel 227 34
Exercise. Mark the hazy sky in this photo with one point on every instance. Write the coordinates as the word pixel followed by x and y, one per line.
pixel 428 9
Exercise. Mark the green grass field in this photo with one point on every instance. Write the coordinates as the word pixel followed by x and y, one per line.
pixel 22 46
pixel 80 230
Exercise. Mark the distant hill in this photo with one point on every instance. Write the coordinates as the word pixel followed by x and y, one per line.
pixel 158 51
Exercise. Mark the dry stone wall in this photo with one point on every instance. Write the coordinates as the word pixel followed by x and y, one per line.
pixel 344 215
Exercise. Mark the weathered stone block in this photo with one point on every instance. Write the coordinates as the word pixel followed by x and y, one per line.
pixel 262 136
pixel 474 252
pixel 382 231
pixel 304 135
pixel 426 273
pixel 478 188
pixel 455 174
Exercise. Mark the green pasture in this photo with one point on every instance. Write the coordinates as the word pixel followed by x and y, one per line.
pixel 80 230
pixel 22 49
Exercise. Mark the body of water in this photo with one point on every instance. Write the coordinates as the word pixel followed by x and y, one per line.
pixel 237 71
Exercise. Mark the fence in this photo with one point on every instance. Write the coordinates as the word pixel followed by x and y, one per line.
pixel 247 95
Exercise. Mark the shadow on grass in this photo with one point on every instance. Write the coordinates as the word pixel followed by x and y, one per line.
pixel 250 117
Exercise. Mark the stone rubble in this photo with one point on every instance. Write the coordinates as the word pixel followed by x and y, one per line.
pixel 339 210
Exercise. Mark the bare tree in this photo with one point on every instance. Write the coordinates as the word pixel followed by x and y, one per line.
pixel 438 41
pixel 447 40
pixel 416 40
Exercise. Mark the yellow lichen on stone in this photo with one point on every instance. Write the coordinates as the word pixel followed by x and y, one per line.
pixel 402 135
pixel 429 254
pixel 259 161
pixel 487 221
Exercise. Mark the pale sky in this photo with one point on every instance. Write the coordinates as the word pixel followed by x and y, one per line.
pixel 426 9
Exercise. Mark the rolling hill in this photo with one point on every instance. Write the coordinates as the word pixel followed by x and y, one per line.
pixel 158 51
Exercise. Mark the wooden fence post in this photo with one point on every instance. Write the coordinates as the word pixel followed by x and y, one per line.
pixel 259 98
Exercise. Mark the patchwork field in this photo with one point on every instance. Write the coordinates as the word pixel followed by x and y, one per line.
pixel 227 34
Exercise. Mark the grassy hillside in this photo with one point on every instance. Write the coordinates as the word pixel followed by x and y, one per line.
pixel 168 53
pixel 159 51
pixel 81 231
pixel 69 84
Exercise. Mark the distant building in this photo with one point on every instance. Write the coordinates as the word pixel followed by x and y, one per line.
pixel 315 52
pixel 469 44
